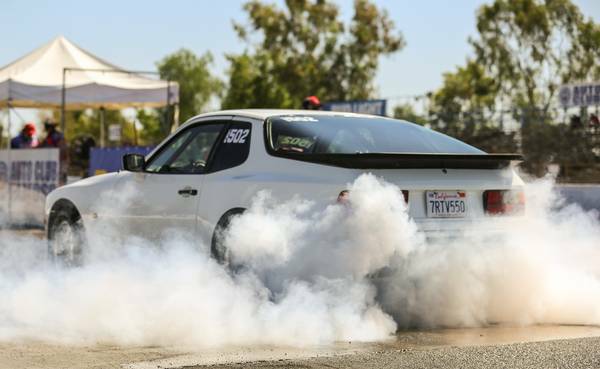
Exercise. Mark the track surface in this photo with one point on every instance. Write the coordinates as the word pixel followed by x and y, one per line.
pixel 493 347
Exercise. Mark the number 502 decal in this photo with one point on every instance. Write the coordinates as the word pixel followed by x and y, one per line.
pixel 236 136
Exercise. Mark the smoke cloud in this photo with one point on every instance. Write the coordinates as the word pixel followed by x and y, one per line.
pixel 312 275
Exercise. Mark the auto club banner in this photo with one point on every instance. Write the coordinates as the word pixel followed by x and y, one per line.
pixel 373 107
pixel 33 174
pixel 579 94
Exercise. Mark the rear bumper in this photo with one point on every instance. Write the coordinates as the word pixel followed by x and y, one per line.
pixel 440 229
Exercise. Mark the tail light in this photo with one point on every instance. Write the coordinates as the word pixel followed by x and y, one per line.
pixel 497 202
pixel 345 195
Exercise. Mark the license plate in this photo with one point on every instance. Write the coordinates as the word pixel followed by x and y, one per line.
pixel 446 204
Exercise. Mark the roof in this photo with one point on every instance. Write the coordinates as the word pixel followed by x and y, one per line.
pixel 36 80
pixel 266 113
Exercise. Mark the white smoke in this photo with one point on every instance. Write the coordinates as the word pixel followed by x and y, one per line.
pixel 543 267
pixel 311 276
pixel 297 240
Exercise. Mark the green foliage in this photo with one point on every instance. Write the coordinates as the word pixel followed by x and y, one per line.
pixel 530 47
pixel 524 50
pixel 196 84
pixel 466 90
pixel 407 112
pixel 86 123
pixel 464 107
pixel 151 132
pixel 488 138
pixel 304 49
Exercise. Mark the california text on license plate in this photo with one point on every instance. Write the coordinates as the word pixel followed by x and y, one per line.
pixel 446 204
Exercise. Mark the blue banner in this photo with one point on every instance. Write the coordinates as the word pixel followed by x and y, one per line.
pixel 373 107
pixel 109 159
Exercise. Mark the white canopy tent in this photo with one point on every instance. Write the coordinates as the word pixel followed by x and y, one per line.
pixel 62 75
pixel 39 79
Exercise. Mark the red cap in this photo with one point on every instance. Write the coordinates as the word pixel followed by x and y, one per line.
pixel 29 128
pixel 313 100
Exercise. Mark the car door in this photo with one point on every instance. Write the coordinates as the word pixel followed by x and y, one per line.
pixel 229 178
pixel 167 191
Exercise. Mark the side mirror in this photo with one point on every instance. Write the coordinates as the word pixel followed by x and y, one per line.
pixel 133 162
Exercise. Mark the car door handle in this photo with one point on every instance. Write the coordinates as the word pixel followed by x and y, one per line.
pixel 188 191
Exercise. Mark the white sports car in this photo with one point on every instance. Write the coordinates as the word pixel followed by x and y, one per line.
pixel 213 165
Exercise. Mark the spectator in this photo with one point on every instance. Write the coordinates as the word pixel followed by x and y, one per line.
pixel 55 138
pixel 26 139
pixel 594 122
pixel 311 103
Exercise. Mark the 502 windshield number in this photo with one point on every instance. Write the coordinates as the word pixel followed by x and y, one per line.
pixel 237 136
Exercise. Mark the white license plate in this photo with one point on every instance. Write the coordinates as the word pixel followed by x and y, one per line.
pixel 446 204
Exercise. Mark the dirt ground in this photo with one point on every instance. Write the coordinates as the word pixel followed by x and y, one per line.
pixel 492 347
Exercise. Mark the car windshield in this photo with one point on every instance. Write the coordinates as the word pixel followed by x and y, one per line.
pixel 345 134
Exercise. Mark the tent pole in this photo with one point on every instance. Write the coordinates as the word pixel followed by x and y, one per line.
pixel 135 133
pixel 168 122
pixel 9 164
pixel 176 115
pixel 63 97
pixel 102 117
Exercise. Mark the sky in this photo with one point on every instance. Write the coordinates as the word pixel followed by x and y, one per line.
pixel 135 34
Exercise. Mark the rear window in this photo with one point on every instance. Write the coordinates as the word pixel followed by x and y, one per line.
pixel 317 134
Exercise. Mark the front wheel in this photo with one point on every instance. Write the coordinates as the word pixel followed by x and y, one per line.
pixel 66 238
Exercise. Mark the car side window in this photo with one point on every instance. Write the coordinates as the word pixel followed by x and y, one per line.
pixel 189 153
pixel 234 148
pixel 167 153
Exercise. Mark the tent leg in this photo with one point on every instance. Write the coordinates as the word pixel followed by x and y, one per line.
pixel 102 122
pixel 175 116
pixel 9 170
pixel 135 133
pixel 168 121
pixel 63 99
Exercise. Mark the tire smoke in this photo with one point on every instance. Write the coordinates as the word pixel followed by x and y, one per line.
pixel 311 275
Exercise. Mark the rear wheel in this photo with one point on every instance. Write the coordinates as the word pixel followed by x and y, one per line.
pixel 218 248
pixel 65 237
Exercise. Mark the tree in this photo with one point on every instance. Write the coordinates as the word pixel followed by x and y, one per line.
pixel 523 51
pixel 465 106
pixel 466 98
pixel 407 112
pixel 151 132
pixel 304 50
pixel 196 84
pixel 530 47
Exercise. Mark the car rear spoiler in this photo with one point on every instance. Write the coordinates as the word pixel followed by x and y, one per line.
pixel 409 160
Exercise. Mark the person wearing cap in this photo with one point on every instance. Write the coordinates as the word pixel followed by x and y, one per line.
pixel 55 138
pixel 26 139
pixel 311 103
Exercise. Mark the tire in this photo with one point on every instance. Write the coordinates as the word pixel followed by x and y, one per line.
pixel 66 240
pixel 218 250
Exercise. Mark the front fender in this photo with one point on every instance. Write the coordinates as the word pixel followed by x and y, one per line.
pixel 82 194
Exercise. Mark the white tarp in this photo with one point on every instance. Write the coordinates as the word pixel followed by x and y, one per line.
pixel 36 80
pixel 34 173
